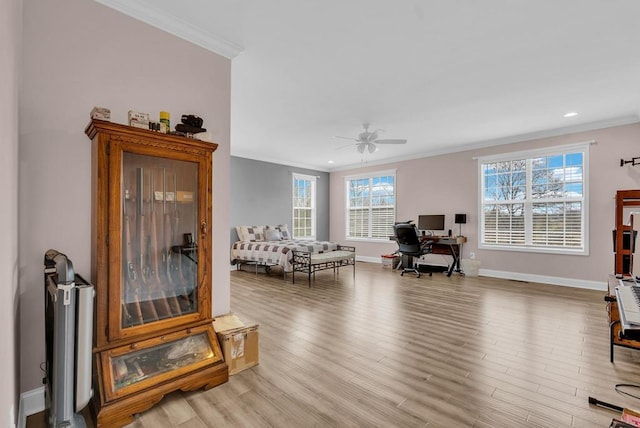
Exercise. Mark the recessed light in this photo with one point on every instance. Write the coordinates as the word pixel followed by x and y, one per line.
pixel 330 161
pixel 571 114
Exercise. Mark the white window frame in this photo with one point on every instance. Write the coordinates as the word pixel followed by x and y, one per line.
pixel 370 176
pixel 528 246
pixel 313 182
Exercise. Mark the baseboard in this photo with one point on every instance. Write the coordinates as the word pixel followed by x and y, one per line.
pixel 368 259
pixel 31 402
pixel 544 279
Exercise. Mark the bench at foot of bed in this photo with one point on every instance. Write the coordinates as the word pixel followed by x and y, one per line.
pixel 309 263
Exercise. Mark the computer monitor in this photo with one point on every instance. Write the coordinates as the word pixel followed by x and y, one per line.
pixel 433 222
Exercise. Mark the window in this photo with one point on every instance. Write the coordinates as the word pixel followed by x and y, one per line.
pixel 535 200
pixel 371 205
pixel 304 206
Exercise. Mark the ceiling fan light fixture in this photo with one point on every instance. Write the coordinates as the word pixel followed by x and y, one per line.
pixel 369 140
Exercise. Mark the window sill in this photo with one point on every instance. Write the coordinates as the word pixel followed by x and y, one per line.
pixel 372 240
pixel 539 250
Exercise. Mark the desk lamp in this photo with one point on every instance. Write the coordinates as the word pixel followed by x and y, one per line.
pixel 461 219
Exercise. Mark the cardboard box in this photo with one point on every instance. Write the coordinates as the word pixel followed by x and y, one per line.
pixel 138 119
pixel 239 343
pixel 101 113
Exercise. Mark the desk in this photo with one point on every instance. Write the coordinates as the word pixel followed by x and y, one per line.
pixel 616 335
pixel 449 246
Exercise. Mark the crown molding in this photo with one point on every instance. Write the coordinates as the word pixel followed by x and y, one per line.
pixel 246 155
pixel 146 13
pixel 556 132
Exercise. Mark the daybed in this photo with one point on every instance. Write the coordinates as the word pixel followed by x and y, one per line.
pixel 273 246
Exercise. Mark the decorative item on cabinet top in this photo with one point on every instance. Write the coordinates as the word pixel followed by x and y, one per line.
pixel 97 125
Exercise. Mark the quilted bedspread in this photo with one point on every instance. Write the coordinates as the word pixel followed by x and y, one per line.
pixel 276 252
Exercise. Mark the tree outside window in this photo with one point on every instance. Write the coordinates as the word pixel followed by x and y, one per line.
pixel 535 201
pixel 371 206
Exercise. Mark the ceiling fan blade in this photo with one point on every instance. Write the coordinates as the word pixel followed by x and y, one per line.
pixel 392 141
pixel 344 147
pixel 346 138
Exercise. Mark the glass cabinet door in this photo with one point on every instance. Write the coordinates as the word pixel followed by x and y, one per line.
pixel 135 367
pixel 159 239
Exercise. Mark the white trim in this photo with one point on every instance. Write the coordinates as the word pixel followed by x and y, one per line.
pixel 534 249
pixel 148 13
pixel 31 402
pixel 313 179
pixel 372 240
pixel 457 147
pixel 544 279
pixel 368 259
pixel 392 171
pixel 527 201
pixel 453 148
pixel 246 155
pixel 543 151
pixel 525 277
pixel 369 176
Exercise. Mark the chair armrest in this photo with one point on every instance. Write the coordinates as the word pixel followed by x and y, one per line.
pixel 426 246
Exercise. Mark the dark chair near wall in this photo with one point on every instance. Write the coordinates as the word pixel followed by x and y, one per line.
pixel 410 245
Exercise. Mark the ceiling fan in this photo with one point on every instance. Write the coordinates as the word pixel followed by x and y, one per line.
pixel 367 140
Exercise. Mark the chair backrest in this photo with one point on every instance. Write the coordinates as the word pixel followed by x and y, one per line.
pixel 407 236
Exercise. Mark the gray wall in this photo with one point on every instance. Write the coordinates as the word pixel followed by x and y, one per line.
pixel 261 194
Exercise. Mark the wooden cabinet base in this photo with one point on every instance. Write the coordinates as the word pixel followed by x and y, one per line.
pixel 121 412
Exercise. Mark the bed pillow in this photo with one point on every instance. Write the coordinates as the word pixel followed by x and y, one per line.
pixel 239 232
pixel 284 231
pixel 250 233
pixel 271 234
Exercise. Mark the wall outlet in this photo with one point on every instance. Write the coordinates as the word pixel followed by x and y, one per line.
pixel 472 255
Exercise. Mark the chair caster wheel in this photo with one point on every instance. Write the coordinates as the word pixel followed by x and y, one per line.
pixel 401 273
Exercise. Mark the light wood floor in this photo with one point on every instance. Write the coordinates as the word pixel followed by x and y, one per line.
pixel 386 350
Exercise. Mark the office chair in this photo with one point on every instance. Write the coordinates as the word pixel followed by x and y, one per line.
pixel 409 246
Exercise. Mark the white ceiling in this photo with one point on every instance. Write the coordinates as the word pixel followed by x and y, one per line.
pixel 446 75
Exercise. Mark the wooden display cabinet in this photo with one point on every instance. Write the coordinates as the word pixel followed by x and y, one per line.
pixel 152 269
pixel 627 202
